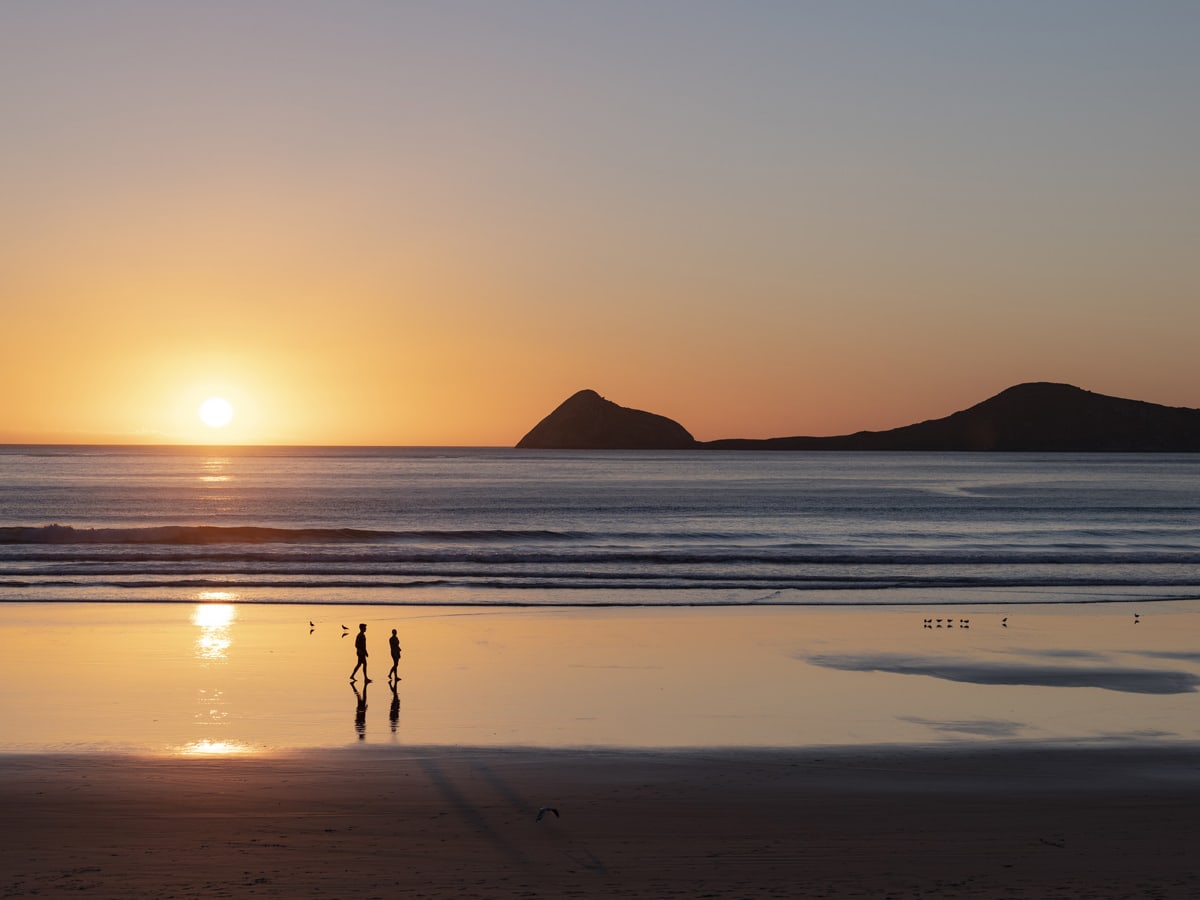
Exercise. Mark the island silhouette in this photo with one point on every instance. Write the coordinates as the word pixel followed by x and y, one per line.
pixel 1031 417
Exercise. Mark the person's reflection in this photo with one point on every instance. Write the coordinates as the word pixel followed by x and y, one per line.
pixel 394 712
pixel 360 712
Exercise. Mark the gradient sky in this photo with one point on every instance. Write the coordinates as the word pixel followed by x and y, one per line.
pixel 430 223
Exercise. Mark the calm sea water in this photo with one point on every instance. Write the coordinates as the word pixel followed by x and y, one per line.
pixel 500 526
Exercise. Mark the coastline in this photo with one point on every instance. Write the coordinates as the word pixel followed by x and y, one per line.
pixel 462 821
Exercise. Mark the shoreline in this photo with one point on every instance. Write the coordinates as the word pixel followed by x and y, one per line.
pixel 462 821
pixel 928 599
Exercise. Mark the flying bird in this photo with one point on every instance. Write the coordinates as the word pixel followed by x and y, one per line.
pixel 544 810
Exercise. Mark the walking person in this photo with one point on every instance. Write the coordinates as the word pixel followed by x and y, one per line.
pixel 360 647
pixel 394 646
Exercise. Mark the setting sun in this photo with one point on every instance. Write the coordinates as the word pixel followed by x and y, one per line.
pixel 216 412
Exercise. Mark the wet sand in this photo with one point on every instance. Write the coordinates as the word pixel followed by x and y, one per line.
pixel 434 822
pixel 171 678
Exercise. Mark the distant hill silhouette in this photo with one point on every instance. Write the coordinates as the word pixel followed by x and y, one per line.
pixel 586 421
pixel 1036 417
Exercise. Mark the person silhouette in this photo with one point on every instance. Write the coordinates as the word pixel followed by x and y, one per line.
pixel 360 647
pixel 394 645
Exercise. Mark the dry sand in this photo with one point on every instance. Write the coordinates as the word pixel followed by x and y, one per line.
pixel 459 822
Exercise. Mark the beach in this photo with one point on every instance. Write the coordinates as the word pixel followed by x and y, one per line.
pixel 669 451
pixel 217 749
pixel 461 822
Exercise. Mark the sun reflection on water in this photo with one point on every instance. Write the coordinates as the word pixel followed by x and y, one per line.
pixel 215 470
pixel 217 596
pixel 215 484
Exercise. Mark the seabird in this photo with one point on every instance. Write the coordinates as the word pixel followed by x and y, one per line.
pixel 544 810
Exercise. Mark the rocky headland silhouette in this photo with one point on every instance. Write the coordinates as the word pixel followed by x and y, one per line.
pixel 1032 417
pixel 586 421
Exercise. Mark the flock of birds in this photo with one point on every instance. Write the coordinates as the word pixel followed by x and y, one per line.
pixel 949 622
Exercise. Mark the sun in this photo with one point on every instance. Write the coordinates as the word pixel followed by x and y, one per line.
pixel 216 412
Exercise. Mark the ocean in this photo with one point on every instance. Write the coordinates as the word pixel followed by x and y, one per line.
pixel 505 527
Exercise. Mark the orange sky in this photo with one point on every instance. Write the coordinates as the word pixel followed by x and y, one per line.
pixel 374 224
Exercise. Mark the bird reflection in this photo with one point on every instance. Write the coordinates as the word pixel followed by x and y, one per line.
pixel 360 711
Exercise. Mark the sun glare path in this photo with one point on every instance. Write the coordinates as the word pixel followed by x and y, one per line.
pixel 216 412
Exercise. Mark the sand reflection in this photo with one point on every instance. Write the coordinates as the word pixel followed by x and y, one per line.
pixel 213 748
pixel 215 621
pixel 986 672
pixel 258 677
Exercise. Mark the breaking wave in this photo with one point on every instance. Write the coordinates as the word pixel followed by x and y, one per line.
pixel 232 534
